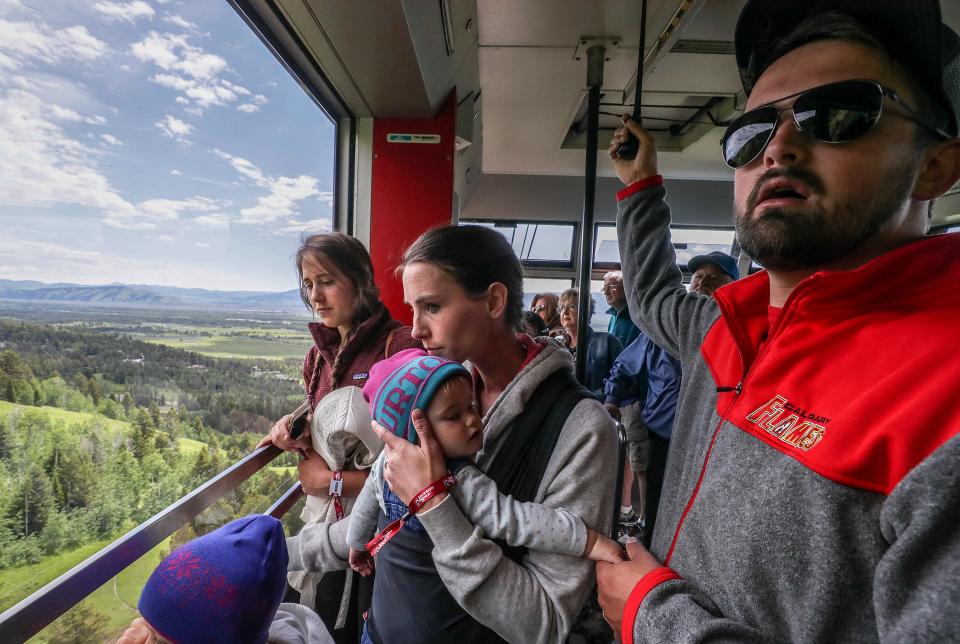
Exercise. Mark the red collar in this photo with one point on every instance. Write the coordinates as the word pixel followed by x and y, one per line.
pixel 915 274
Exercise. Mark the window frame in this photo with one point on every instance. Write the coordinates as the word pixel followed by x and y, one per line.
pixel 612 266
pixel 537 263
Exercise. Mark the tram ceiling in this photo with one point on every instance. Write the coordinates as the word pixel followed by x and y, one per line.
pixel 533 84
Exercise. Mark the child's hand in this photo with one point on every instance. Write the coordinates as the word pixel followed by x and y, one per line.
pixel 606 549
pixel 361 562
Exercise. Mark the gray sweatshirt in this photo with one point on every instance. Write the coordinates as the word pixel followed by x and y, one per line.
pixel 537 601
pixel 530 525
pixel 812 491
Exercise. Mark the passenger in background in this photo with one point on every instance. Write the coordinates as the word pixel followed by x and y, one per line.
pixel 711 271
pixel 533 325
pixel 620 326
pixel 602 348
pixel 355 331
pixel 546 306
pixel 642 391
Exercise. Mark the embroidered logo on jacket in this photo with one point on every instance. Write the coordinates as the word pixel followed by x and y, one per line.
pixel 789 423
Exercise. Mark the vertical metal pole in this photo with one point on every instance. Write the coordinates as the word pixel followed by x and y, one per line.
pixel 594 81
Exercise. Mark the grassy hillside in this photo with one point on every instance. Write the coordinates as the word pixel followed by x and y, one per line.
pixel 188 446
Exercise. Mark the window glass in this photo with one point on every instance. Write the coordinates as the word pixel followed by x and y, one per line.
pixel 690 242
pixel 687 242
pixel 535 242
pixel 153 143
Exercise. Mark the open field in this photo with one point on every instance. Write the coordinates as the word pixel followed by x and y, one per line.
pixel 71 417
pixel 233 346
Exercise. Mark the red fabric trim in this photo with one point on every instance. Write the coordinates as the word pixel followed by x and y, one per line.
pixel 637 186
pixel 693 495
pixel 647 583
pixel 532 347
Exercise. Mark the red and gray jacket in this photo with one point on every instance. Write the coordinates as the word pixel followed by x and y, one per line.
pixel 813 485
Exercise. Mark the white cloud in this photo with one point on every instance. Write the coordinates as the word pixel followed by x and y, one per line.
pixel 165 238
pixel 148 214
pixel 179 21
pixel 126 11
pixel 295 227
pixel 176 173
pixel 285 193
pixel 201 245
pixel 175 129
pixel 244 167
pixel 213 220
pixel 188 70
pixel 40 166
pixel 111 140
pixel 248 108
pixel 27 43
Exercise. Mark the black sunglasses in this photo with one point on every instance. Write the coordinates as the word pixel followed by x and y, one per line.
pixel 834 113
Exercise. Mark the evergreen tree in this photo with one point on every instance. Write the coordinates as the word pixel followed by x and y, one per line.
pixel 143 430
pixel 80 625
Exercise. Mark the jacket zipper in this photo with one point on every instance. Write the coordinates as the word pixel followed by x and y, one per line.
pixel 737 390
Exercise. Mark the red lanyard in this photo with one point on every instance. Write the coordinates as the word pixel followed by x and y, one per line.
pixel 427 493
pixel 336 489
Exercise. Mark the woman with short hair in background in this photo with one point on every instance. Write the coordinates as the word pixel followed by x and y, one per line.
pixel 602 348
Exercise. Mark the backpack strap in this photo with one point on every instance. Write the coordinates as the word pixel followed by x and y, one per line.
pixel 522 459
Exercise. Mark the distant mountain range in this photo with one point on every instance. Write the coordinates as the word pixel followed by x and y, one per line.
pixel 148 296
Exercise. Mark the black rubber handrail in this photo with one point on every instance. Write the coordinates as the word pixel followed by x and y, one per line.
pixel 30 616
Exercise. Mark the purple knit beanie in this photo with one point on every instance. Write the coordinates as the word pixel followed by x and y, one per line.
pixel 405 381
pixel 222 587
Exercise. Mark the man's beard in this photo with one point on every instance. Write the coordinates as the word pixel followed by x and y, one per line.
pixel 784 239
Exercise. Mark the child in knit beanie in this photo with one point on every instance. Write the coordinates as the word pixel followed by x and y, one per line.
pixel 225 586
pixel 412 379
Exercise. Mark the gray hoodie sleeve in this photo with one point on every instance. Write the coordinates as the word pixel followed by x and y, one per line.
pixel 659 304
pixel 363 518
pixel 530 525
pixel 547 591
pixel 320 547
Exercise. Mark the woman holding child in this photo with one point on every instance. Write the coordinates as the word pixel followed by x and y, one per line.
pixel 354 331
pixel 545 441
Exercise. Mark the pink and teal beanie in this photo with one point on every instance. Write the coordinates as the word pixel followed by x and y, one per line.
pixel 225 586
pixel 403 382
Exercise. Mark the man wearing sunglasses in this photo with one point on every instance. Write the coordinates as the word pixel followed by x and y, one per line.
pixel 813 487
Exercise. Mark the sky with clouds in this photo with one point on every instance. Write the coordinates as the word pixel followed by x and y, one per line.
pixel 153 142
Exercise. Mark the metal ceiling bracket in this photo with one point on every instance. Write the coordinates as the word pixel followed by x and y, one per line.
pixel 677 24
pixel 610 45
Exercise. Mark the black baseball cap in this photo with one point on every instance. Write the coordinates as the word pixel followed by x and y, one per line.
pixel 912 32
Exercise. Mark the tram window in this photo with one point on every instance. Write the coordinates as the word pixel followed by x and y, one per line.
pixel 148 146
pixel 687 242
pixel 535 243
pixel 534 285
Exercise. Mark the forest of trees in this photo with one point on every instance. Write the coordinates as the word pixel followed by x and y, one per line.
pixel 63 484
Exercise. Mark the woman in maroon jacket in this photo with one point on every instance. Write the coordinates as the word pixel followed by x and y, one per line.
pixel 355 331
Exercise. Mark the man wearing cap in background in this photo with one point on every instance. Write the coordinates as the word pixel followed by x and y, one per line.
pixel 711 271
pixel 813 487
